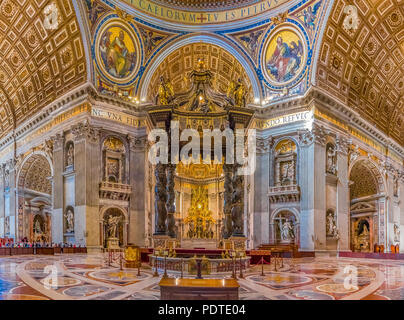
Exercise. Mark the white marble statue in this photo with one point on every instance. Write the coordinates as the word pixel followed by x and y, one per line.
pixel 396 232
pixel 69 221
pixel 286 228
pixel 70 155
pixel 112 223
pixel 331 226
pixel 331 160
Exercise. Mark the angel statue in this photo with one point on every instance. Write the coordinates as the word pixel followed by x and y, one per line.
pixel 236 92
pixel 165 93
pixel 112 223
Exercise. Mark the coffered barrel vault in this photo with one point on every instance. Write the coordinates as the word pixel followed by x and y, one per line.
pixel 38 63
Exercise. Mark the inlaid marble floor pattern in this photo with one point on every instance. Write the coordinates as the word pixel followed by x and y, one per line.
pixel 82 277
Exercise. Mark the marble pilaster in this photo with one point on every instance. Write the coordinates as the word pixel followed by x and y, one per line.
pixel 137 175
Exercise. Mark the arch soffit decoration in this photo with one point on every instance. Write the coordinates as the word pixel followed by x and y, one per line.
pixel 208 40
pixel 372 168
pixel 292 210
pixel 43 169
pixel 105 209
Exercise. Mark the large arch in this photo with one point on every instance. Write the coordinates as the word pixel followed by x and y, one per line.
pixel 34 198
pixel 367 223
pixel 202 39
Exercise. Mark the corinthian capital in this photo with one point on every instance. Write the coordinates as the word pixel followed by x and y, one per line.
pixel 306 137
pixel 137 143
pixel 84 131
pixel 342 145
pixel 263 145
pixel 320 134
pixel 57 142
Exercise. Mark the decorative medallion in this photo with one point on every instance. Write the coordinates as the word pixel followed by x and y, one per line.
pixel 284 56
pixel 117 52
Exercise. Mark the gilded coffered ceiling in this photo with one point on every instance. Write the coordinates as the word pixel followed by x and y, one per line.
pixel 35 174
pixel 364 68
pixel 364 181
pixel 181 62
pixel 41 57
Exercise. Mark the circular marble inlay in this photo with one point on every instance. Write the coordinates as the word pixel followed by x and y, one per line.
pixel 119 275
pixel 279 280
pixel 85 290
pixel 311 295
pixel 59 281
pixel 337 288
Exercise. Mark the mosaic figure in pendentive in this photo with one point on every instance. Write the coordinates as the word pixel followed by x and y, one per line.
pixel 284 56
pixel 117 52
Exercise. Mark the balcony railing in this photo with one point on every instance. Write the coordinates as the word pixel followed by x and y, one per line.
pixel 115 191
pixel 290 193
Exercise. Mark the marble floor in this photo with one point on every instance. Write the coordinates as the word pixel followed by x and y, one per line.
pixel 88 277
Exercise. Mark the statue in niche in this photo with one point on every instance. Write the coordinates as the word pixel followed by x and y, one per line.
pixel 165 93
pixel 69 216
pixel 395 186
pixel 331 225
pixel 70 155
pixel 6 178
pixel 7 225
pixel 287 173
pixel 113 169
pixel 236 92
pixel 362 236
pixel 331 160
pixel 286 229
pixel 37 227
pixel 112 224
pixel 396 232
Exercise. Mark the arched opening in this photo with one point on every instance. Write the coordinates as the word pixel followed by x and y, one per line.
pixel 285 163
pixel 284 227
pixel 114 160
pixel 114 226
pixel 34 220
pixel 367 221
